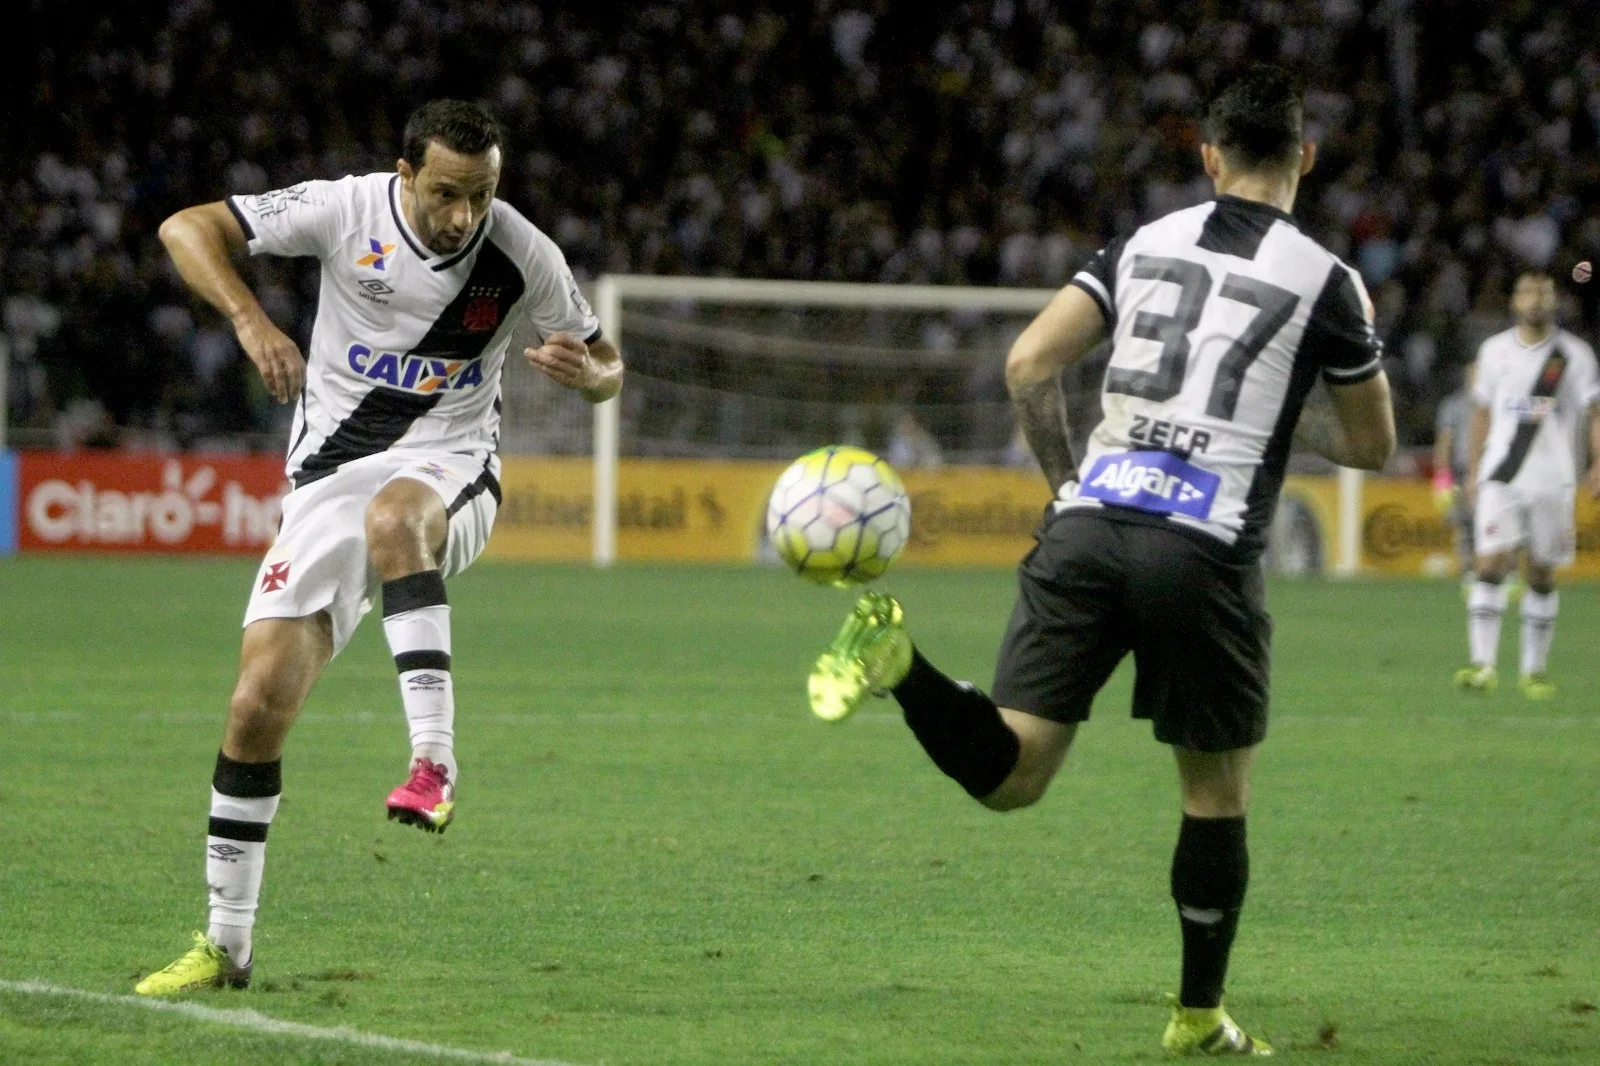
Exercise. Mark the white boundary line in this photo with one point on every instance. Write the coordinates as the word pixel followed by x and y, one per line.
pixel 251 1020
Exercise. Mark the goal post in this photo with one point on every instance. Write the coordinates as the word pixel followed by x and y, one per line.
pixel 826 332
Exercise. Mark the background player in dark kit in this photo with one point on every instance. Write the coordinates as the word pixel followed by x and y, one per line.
pixel 1222 318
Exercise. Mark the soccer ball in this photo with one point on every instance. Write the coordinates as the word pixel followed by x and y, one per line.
pixel 839 516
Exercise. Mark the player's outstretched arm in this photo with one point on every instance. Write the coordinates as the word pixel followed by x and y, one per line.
pixel 1359 429
pixel 201 241
pixel 595 370
pixel 1062 334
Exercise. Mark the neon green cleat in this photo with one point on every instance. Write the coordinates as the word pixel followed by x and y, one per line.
pixel 1536 687
pixel 1208 1031
pixel 872 653
pixel 203 966
pixel 1480 679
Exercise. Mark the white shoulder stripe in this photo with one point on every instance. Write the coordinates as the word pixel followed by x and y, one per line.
pixel 1340 374
pixel 1096 289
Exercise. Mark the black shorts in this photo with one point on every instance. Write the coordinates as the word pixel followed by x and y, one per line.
pixel 1096 587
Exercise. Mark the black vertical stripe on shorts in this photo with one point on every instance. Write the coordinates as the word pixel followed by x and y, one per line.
pixel 1550 375
pixel 485 482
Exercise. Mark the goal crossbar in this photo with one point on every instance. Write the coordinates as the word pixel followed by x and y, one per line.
pixel 610 290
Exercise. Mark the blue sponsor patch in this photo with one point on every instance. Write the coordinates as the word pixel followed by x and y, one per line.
pixel 1159 482
pixel 414 373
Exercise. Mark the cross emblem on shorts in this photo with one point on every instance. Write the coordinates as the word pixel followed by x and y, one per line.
pixel 275 578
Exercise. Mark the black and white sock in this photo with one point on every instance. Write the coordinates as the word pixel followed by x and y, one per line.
pixel 416 619
pixel 1539 611
pixel 1210 872
pixel 244 797
pixel 1486 603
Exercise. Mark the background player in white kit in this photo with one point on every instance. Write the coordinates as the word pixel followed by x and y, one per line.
pixel 427 282
pixel 1535 391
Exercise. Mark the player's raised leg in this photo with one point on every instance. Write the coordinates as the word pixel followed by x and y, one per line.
pixel 1540 605
pixel 1003 758
pixel 1210 872
pixel 279 662
pixel 406 529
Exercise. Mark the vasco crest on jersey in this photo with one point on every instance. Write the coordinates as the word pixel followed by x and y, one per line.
pixel 482 311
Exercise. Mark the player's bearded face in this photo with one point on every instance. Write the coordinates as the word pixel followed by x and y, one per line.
pixel 447 197
pixel 1534 301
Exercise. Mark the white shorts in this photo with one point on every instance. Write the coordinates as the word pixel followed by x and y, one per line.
pixel 1508 518
pixel 319 561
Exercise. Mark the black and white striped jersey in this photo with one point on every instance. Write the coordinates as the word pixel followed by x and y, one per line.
pixel 408 345
pixel 1221 318
pixel 1538 398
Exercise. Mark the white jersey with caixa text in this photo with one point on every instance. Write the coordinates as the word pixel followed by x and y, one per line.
pixel 408 345
pixel 1538 398
pixel 1222 317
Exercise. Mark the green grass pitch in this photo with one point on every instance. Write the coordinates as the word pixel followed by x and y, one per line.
pixel 661 859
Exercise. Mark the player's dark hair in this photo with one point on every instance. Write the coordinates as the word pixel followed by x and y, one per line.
pixel 1257 120
pixel 458 125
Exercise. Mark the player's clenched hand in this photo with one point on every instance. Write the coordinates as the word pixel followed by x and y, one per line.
pixel 565 359
pixel 283 369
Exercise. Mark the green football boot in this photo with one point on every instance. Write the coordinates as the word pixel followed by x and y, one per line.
pixel 871 654
pixel 1480 679
pixel 1208 1031
pixel 203 966
pixel 1536 687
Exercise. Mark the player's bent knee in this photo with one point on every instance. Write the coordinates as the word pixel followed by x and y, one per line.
pixel 257 713
pixel 393 525
pixel 1541 579
pixel 1492 568
pixel 1042 748
pixel 1025 786
pixel 1016 793
pixel 406 531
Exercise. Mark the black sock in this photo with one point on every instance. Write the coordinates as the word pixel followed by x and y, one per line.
pixel 959 727
pixel 1210 869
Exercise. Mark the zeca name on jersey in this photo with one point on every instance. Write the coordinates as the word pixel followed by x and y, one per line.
pixel 1159 482
pixel 414 373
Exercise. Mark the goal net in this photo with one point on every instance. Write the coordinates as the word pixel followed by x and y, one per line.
pixel 744 369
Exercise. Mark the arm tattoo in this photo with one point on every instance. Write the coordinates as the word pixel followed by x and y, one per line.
pixel 1042 413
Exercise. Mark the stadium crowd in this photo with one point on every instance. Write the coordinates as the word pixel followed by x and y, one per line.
pixel 990 142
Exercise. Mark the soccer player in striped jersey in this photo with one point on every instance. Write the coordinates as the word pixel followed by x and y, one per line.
pixel 1536 392
pixel 1221 317
pixel 427 282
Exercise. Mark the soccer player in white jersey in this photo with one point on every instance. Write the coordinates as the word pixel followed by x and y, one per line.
pixel 427 282
pixel 1221 319
pixel 1535 392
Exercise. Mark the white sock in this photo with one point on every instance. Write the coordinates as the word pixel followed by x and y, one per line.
pixel 417 623
pixel 1538 628
pixel 1485 605
pixel 236 855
